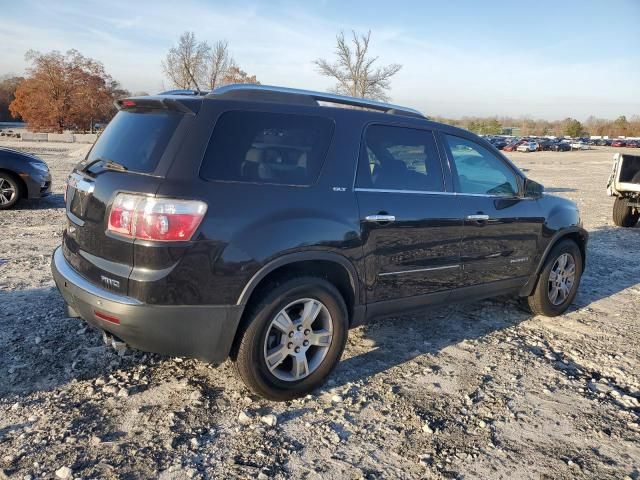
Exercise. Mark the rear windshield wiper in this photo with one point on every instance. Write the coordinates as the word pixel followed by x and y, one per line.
pixel 107 164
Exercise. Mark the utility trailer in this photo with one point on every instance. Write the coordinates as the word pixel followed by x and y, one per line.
pixel 624 184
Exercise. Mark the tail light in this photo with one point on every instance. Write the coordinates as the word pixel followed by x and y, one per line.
pixel 160 219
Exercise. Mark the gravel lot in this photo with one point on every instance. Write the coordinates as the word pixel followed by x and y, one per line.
pixel 482 390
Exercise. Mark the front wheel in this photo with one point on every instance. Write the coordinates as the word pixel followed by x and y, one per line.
pixel 558 281
pixel 624 215
pixel 293 339
pixel 9 191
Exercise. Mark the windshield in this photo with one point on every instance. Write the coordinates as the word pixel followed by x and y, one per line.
pixel 135 140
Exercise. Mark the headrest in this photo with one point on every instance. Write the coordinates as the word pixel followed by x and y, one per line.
pixel 254 155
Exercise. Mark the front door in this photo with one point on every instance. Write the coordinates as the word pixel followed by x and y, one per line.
pixel 501 227
pixel 411 227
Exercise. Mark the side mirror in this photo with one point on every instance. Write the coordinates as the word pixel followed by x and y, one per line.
pixel 532 189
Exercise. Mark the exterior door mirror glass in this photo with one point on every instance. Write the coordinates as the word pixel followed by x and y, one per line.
pixel 532 189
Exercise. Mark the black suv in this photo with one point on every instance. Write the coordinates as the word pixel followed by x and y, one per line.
pixel 261 223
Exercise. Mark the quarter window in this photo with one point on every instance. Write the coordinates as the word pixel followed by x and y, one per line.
pixel 479 170
pixel 398 158
pixel 261 147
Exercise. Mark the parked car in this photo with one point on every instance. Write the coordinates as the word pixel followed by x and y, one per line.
pixel 527 147
pixel 511 147
pixel 547 145
pixel 579 145
pixel 633 144
pixel 22 176
pixel 618 143
pixel 561 147
pixel 499 144
pixel 233 227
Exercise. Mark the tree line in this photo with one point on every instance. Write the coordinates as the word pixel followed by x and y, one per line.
pixel 620 127
pixel 70 91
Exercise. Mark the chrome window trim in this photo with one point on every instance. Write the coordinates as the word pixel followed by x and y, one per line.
pixel 385 190
pixel 426 192
pixel 444 267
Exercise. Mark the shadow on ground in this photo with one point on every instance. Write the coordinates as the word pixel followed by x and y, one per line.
pixel 400 339
pixel 55 200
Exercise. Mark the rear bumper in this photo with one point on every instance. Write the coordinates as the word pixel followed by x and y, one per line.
pixel 200 331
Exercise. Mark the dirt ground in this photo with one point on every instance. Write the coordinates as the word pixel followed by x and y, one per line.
pixel 483 390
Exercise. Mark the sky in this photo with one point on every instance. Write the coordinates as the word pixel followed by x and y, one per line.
pixel 539 59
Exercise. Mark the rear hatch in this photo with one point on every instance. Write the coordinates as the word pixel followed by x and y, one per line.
pixel 132 155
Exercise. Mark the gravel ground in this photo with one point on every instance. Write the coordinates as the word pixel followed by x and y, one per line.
pixel 482 390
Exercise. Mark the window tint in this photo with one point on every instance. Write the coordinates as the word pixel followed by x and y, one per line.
pixel 479 170
pixel 267 148
pixel 397 158
pixel 135 140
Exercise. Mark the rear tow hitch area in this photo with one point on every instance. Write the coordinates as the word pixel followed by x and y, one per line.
pixel 116 343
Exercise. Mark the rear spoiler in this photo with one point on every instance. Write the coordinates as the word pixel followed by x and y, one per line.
pixel 158 103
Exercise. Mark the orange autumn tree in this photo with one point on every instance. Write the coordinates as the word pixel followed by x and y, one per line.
pixel 66 91
pixel 235 75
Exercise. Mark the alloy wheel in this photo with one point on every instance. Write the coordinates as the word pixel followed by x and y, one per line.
pixel 7 192
pixel 298 339
pixel 561 279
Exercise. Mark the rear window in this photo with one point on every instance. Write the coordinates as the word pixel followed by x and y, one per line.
pixel 136 140
pixel 262 147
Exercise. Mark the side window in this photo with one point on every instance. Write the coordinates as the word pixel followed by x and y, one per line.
pixel 261 147
pixel 399 158
pixel 479 170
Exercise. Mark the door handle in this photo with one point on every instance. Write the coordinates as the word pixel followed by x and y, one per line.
pixel 478 217
pixel 380 218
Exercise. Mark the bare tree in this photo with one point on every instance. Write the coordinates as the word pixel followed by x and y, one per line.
pixel 219 62
pixel 185 64
pixel 354 69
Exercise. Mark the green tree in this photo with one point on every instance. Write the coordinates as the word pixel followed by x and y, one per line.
pixel 621 126
pixel 491 127
pixel 573 127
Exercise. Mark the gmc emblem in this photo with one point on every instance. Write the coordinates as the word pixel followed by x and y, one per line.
pixel 109 282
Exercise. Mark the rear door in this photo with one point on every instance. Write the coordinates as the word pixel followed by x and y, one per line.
pixel 410 224
pixel 131 155
pixel 501 227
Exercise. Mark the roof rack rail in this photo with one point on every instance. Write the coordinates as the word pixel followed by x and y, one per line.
pixel 268 92
pixel 185 92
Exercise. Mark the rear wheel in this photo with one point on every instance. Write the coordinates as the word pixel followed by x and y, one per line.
pixel 624 215
pixel 294 338
pixel 9 191
pixel 558 281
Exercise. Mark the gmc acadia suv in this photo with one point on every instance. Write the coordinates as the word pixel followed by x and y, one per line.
pixel 261 223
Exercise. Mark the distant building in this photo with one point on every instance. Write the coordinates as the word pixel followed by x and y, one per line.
pixel 512 131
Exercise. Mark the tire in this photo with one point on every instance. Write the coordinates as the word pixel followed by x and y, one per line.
pixel 623 214
pixel 260 337
pixel 10 191
pixel 541 301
